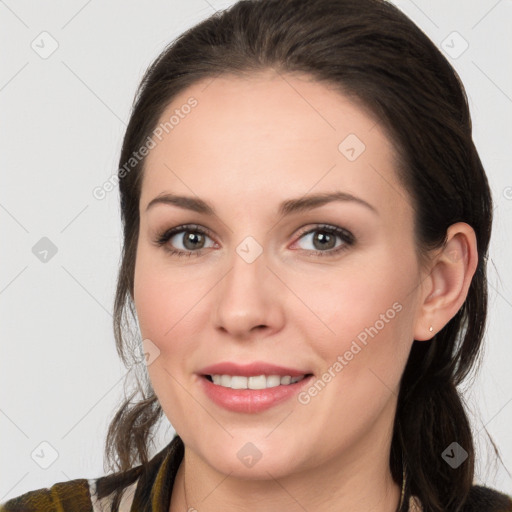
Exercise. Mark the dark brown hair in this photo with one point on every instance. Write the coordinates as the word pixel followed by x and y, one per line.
pixel 373 53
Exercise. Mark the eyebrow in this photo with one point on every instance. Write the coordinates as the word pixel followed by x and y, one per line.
pixel 287 207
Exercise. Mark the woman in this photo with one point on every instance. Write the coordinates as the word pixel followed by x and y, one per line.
pixel 308 350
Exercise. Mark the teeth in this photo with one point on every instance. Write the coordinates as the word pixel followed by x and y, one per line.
pixel 257 382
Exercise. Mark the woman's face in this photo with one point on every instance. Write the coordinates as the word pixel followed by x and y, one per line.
pixel 266 283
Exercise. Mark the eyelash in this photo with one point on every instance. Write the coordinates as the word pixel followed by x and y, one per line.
pixel 345 235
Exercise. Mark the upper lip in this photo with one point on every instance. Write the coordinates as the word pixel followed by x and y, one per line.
pixel 250 370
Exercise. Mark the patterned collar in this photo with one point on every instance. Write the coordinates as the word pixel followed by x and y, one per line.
pixel 151 491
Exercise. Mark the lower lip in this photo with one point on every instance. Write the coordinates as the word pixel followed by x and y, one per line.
pixel 251 400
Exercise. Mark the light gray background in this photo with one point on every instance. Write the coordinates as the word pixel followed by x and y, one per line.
pixel 62 120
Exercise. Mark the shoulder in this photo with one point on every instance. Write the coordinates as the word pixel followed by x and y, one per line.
pixel 71 496
pixel 485 499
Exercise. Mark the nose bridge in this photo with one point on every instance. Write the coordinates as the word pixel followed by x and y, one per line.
pixel 246 297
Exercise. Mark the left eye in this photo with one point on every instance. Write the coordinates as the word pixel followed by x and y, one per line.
pixel 323 239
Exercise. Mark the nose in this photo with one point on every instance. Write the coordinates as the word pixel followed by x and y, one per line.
pixel 248 300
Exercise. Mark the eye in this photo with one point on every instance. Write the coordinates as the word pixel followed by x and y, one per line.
pixel 191 237
pixel 324 237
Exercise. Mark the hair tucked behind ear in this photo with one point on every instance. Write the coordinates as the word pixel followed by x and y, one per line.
pixel 372 52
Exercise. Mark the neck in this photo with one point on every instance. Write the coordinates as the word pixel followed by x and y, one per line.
pixel 359 481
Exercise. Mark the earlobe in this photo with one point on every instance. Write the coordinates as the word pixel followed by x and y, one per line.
pixel 446 287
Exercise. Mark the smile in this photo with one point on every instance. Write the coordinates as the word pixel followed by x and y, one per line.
pixel 254 382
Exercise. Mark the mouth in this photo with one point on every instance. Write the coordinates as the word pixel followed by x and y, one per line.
pixel 251 387
pixel 254 382
pixel 252 394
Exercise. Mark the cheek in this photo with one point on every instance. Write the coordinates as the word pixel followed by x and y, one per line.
pixel 163 297
pixel 364 313
pixel 164 303
pixel 150 301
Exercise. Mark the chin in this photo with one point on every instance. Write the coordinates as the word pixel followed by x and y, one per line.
pixel 261 459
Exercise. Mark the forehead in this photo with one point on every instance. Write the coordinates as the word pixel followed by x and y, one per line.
pixel 268 137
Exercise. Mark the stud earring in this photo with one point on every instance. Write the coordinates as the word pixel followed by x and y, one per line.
pixel 431 329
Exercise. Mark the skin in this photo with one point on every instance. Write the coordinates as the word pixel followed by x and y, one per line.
pixel 249 144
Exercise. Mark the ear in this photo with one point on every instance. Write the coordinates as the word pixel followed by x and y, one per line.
pixel 445 287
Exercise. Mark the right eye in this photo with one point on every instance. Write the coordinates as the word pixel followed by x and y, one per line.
pixel 188 235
